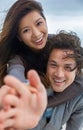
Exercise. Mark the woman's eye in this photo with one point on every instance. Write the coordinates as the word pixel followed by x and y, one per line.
pixel 26 30
pixel 39 23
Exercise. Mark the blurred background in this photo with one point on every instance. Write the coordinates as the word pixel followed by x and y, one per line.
pixel 60 14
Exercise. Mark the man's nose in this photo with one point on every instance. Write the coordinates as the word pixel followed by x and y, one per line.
pixel 59 72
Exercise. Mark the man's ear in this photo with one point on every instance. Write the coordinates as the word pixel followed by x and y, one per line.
pixel 77 72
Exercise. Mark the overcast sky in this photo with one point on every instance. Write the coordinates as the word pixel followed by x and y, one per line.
pixel 53 6
pixel 60 14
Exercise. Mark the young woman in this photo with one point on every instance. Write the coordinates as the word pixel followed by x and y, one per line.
pixel 23 37
pixel 23 41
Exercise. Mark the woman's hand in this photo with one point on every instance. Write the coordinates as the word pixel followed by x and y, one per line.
pixel 24 109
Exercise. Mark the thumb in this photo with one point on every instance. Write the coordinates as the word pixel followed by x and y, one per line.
pixel 35 82
pixel 34 79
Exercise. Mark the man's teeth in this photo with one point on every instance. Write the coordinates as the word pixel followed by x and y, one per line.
pixel 59 81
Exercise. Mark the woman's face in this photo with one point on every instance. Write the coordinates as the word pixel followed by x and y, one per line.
pixel 59 69
pixel 33 30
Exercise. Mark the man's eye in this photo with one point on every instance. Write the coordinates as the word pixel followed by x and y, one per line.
pixel 52 65
pixel 68 68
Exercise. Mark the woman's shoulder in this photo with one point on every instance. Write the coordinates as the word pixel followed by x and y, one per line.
pixel 15 60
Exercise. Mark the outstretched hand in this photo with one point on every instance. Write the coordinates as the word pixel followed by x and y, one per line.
pixel 24 109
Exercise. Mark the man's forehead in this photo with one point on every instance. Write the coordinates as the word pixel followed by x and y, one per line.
pixel 67 53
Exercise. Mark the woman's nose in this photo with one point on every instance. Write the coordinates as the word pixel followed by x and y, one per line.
pixel 36 32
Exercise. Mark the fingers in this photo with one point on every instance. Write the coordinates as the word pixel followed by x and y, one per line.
pixel 34 79
pixel 7 124
pixel 7 119
pixel 6 115
pixel 4 90
pixel 35 82
pixel 19 86
pixel 10 101
pixel 13 82
pixel 10 128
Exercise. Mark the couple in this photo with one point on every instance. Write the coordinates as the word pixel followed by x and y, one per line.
pixel 56 58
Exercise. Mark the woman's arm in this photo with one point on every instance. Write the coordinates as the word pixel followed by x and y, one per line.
pixel 24 110
pixel 16 68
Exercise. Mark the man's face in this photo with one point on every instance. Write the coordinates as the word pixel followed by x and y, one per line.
pixel 58 69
